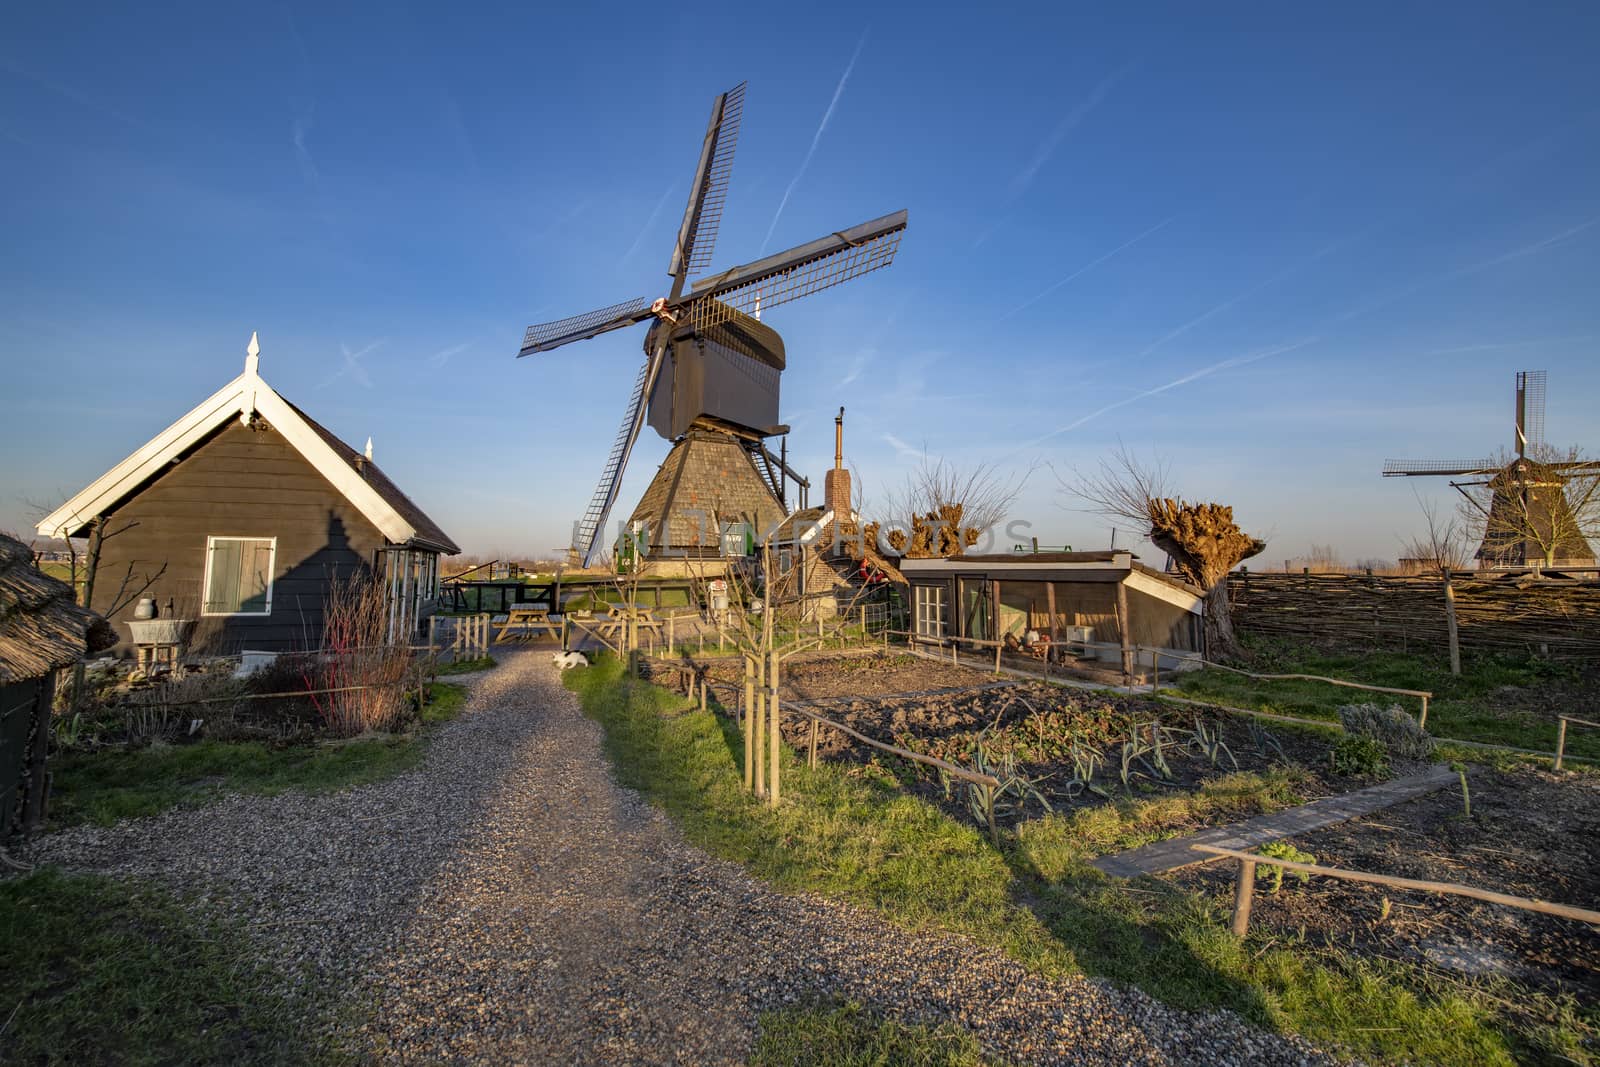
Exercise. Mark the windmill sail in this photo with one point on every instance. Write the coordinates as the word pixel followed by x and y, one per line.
pixel 589 532
pixel 697 237
pixel 799 272
pixel 548 335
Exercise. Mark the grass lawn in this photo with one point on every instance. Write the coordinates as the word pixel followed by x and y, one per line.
pixel 1496 700
pixel 854 835
pixel 103 971
pixel 102 787
pixel 467 666
pixel 846 1036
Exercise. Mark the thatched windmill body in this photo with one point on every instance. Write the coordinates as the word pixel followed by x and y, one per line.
pixel 1529 503
pixel 709 382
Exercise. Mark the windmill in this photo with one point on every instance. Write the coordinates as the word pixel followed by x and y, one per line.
pixel 709 382
pixel 1526 504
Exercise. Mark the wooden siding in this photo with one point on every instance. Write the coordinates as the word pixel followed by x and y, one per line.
pixel 241 482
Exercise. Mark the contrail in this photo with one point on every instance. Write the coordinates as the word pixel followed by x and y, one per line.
pixel 1068 123
pixel 1196 375
pixel 1086 268
pixel 838 91
pixel 1471 268
pixel 649 222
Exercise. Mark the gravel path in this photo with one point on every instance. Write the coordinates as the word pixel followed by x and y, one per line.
pixel 507 902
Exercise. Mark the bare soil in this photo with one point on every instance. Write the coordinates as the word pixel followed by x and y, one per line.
pixel 945 710
pixel 1531 833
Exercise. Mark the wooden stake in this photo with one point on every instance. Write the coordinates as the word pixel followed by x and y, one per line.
pixel 1561 742
pixel 758 720
pixel 1244 890
pixel 811 760
pixel 744 723
pixel 775 733
pixel 1450 623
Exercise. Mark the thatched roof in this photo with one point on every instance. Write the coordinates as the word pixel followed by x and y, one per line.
pixel 41 627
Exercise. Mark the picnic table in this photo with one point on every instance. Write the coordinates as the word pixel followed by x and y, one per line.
pixel 526 621
pixel 611 625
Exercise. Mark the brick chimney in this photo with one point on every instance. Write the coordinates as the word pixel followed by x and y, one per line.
pixel 836 483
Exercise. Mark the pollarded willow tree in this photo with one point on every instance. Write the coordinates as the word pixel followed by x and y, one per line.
pixel 944 508
pixel 1203 540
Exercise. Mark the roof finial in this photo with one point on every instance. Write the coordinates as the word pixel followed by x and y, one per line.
pixel 252 359
pixel 369 448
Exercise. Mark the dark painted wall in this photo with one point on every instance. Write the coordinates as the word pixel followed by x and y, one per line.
pixel 242 482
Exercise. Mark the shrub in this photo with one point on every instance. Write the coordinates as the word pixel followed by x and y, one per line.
pixel 1356 755
pixel 1282 850
pixel 1398 731
pixel 356 656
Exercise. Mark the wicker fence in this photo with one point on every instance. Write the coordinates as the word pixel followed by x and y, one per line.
pixel 1558 618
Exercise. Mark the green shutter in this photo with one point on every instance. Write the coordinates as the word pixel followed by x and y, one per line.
pixel 241 576
pixel 222 591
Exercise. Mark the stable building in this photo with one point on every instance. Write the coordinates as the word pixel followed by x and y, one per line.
pixel 233 523
pixel 1083 605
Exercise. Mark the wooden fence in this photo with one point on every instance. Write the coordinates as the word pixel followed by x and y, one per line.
pixel 1244 887
pixel 1515 613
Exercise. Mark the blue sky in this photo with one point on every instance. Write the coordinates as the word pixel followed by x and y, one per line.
pixel 1275 246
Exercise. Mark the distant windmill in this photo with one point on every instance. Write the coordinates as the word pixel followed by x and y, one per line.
pixel 718 402
pixel 1525 503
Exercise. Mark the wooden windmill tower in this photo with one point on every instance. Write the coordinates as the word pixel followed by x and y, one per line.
pixel 709 382
pixel 1530 505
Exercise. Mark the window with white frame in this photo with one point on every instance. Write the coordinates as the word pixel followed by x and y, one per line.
pixel 929 603
pixel 239 575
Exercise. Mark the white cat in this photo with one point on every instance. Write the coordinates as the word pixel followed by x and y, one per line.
pixel 566 660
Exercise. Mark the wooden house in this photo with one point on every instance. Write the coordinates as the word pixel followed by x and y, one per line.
pixel 42 629
pixel 236 519
pixel 1101 605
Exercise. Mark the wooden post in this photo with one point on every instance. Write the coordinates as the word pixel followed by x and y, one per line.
pixel 811 759
pixel 746 719
pixel 1450 623
pixel 1244 890
pixel 775 733
pixel 997 647
pixel 1561 742
pixel 1123 635
pixel 1422 720
pixel 758 721
pixel 994 830
pixel 704 684
pixel 863 624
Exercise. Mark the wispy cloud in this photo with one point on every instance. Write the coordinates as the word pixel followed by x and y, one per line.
pixel 1532 342
pixel 1460 272
pixel 816 138
pixel 1068 122
pixel 297 133
pixel 445 355
pixel 77 96
pixel 903 449
pixel 1086 268
pixel 1192 376
pixel 351 366
pixel 644 230
pixel 856 367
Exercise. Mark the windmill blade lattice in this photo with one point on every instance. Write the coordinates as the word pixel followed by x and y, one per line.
pixel 1531 387
pixel 710 199
pixel 799 272
pixel 548 335
pixel 1394 467
pixel 586 536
